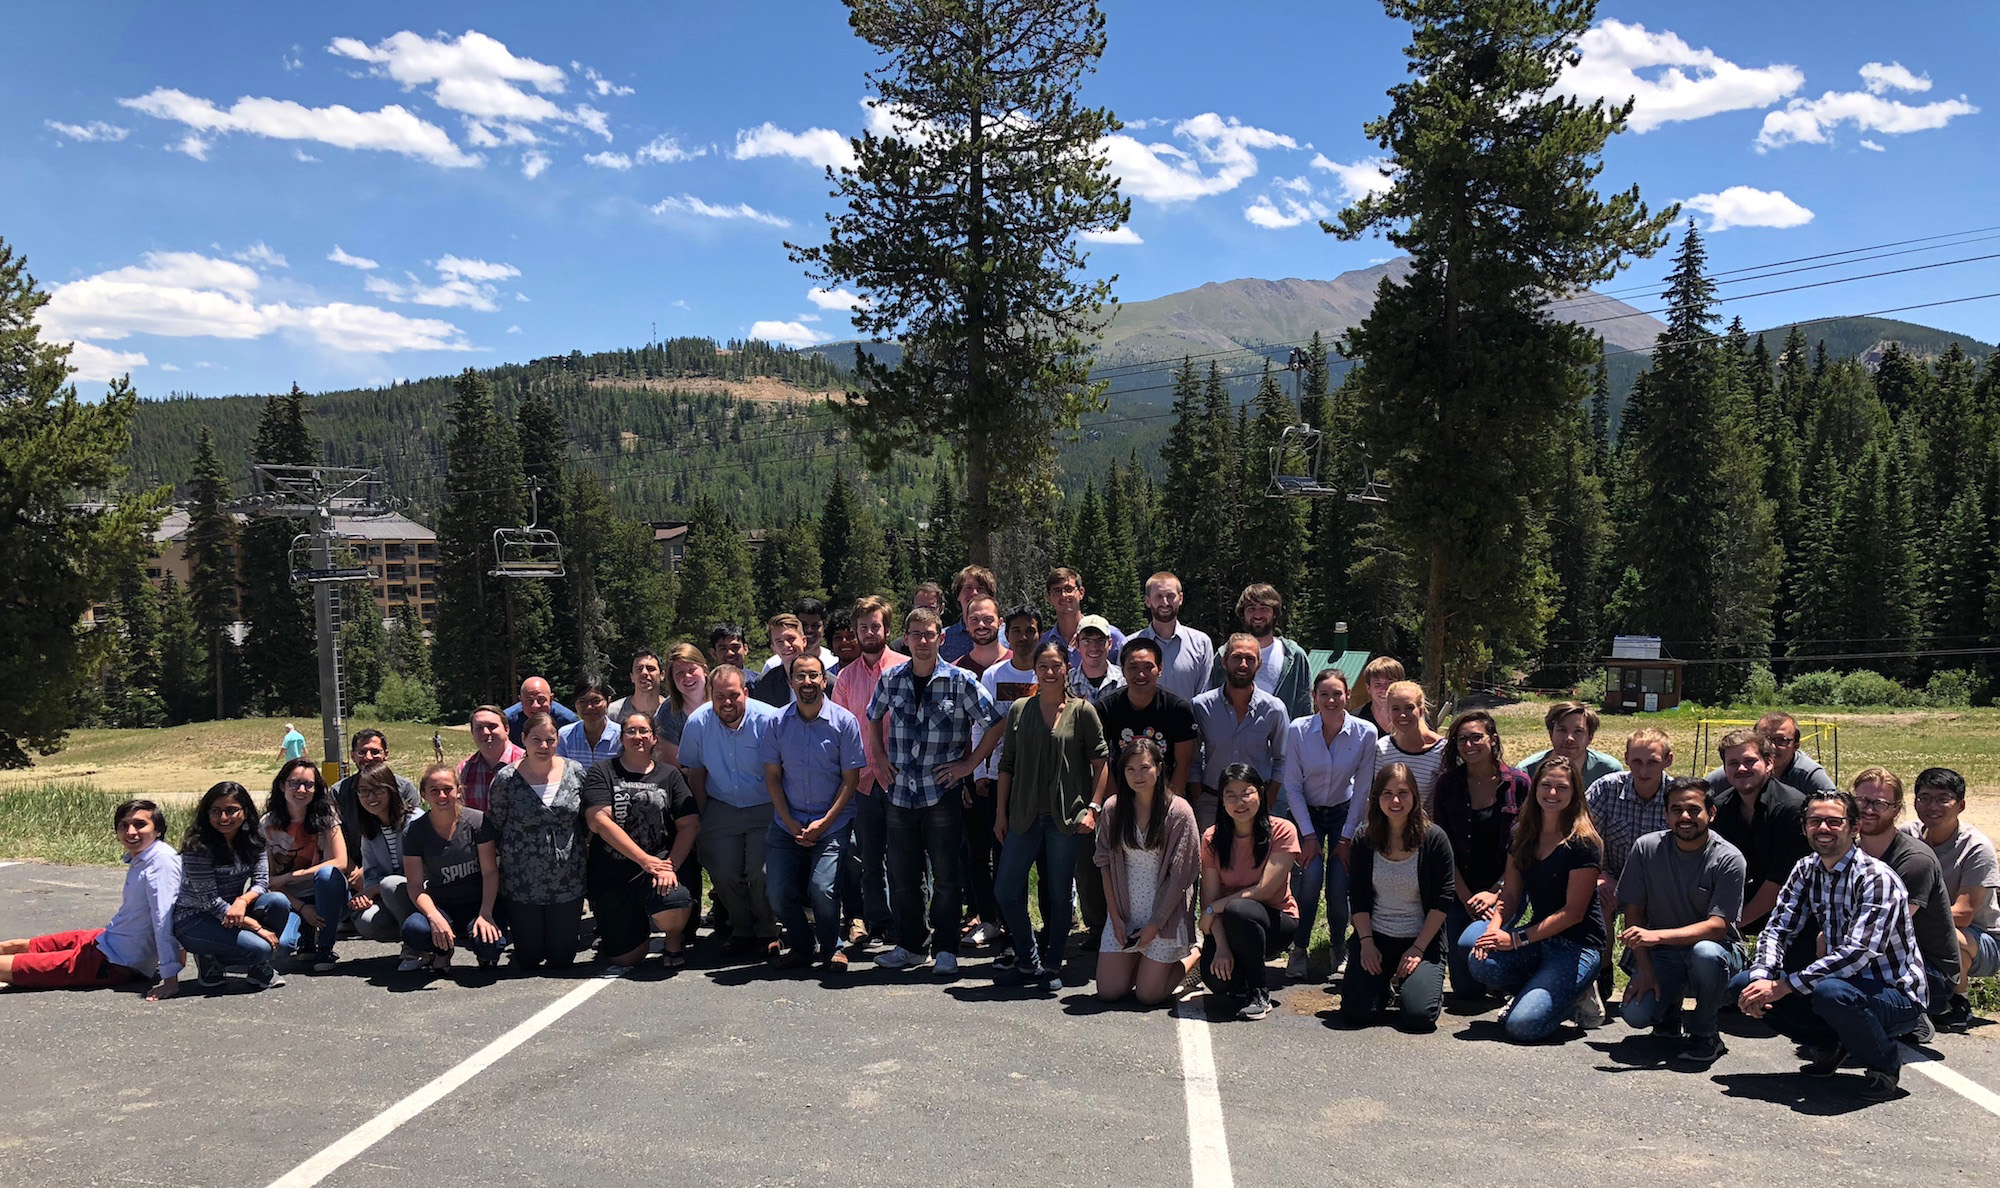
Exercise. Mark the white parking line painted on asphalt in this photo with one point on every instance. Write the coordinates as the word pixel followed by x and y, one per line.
pixel 7 864
pixel 1957 1082
pixel 354 1142
pixel 1208 1146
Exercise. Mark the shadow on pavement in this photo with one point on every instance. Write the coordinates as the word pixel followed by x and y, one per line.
pixel 1814 1096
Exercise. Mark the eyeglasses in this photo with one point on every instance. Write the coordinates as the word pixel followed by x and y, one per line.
pixel 226 810
pixel 1826 822
pixel 295 785
pixel 1872 805
pixel 1779 740
pixel 1936 798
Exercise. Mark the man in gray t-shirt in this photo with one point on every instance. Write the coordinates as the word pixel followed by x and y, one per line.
pixel 1682 893
pixel 1971 883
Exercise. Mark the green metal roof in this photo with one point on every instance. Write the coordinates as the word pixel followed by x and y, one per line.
pixel 1350 663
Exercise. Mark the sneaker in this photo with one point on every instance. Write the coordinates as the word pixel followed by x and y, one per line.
pixel 265 977
pixel 616 971
pixel 1589 1011
pixel 1822 1062
pixel 984 935
pixel 1505 1011
pixel 1957 1017
pixel 1877 1085
pixel 1923 1031
pixel 1258 1006
pixel 324 962
pixel 412 964
pixel 946 965
pixel 1295 965
pixel 1702 1050
pixel 209 972
pixel 1339 962
pixel 1046 978
pixel 899 958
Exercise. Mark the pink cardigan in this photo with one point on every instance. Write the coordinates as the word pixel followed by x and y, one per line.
pixel 1180 867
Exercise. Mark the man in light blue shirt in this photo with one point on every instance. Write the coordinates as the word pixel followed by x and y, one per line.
pixel 1187 656
pixel 813 756
pixel 1240 723
pixel 721 752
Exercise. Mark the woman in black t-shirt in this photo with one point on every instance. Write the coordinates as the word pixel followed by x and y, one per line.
pixel 1549 966
pixel 451 870
pixel 643 821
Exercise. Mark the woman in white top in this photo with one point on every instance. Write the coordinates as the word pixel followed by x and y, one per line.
pixel 1148 852
pixel 1411 742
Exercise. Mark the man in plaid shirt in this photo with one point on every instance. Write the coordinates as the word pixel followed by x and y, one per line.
pixel 1626 806
pixel 920 722
pixel 493 752
pixel 1869 987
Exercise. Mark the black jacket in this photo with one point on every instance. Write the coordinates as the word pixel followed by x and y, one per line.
pixel 1434 879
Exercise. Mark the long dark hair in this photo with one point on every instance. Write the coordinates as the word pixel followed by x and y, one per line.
pixel 379 776
pixel 1124 825
pixel 1576 823
pixel 1452 760
pixel 1375 834
pixel 319 811
pixel 1260 829
pixel 249 842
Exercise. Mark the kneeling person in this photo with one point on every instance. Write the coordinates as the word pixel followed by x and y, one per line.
pixel 1682 891
pixel 643 823
pixel 813 758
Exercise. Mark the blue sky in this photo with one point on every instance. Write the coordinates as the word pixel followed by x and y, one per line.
pixel 270 193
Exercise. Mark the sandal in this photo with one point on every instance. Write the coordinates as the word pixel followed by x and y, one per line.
pixel 673 959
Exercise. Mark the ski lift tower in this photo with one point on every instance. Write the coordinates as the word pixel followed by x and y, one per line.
pixel 317 494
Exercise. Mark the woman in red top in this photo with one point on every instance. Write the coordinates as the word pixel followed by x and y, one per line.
pixel 1246 872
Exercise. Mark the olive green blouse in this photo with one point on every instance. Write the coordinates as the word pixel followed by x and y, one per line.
pixel 1049 767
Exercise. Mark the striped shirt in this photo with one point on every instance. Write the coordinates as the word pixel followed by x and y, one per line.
pixel 1623 816
pixel 1862 908
pixel 574 745
pixel 207 889
pixel 1426 765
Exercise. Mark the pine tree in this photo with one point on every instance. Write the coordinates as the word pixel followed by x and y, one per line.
pixel 281 646
pixel 865 568
pixel 1600 416
pixel 130 679
pixel 635 592
pixel 965 232
pixel 481 620
pixel 212 590
pixel 1119 584
pixel 1579 532
pixel 186 681
pixel 1183 455
pixel 767 577
pixel 1090 548
pixel 948 551
pixel 1273 530
pixel 836 535
pixel 714 575
pixel 1465 373
pixel 1877 560
pixel 574 645
pixel 409 651
pixel 364 646
pixel 1208 568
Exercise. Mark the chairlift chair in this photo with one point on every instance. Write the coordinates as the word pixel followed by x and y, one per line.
pixel 1298 441
pixel 340 567
pixel 527 552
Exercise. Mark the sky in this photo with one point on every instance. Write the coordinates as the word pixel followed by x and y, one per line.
pixel 229 198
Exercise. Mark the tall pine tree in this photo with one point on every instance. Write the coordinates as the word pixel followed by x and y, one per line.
pixel 281 646
pixel 212 590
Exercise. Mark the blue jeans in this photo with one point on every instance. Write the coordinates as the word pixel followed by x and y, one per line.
pixel 1546 977
pixel 329 898
pixel 1863 1015
pixel 206 936
pixel 1044 840
pixel 795 876
pixel 1706 968
pixel 417 932
pixel 1324 871
pixel 864 878
pixel 916 835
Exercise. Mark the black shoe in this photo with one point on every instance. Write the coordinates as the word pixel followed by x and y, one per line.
pixel 1877 1085
pixel 1957 1016
pixel 1258 1006
pixel 1701 1050
pixel 1922 1031
pixel 1822 1062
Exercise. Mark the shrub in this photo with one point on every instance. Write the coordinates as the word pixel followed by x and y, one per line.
pixel 1862 687
pixel 1761 687
pixel 403 699
pixel 1950 688
pixel 1812 688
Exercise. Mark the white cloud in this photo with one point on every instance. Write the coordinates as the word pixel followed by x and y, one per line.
pixel 533 163
pixel 520 296
pixel 188 295
pixel 791 334
pixel 838 299
pixel 169 367
pixel 513 329
pixel 305 157
pixel 608 160
pixel 689 204
pixel 1165 172
pixel 1812 121
pixel 808 317
pixel 665 150
pixel 1680 83
pixel 361 262
pixel 98 364
pixel 1742 206
pixel 292 61
pixel 95 130
pixel 821 146
pixel 1356 180
pixel 261 255
pixel 1872 147
pixel 459 268
pixel 1285 212
pixel 1122 234
pixel 392 129
pixel 601 84
pixel 680 303
pixel 462 284
pixel 1895 76
pixel 475 75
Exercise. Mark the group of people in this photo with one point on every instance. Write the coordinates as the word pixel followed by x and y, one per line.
pixel 1195 804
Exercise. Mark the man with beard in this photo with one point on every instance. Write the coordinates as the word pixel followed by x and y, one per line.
pixel 1281 662
pixel 1878 798
pixel 721 754
pixel 1240 723
pixel 813 758
pixel 866 889
pixel 1789 766
pixel 1759 816
pixel 1146 704
pixel 1187 656
pixel 974 581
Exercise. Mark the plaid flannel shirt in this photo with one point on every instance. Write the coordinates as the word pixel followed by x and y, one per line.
pixel 928 721
pixel 1622 817
pixel 1862 908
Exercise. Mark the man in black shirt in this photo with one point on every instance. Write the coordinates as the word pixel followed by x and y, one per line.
pixel 1142 704
pixel 1878 796
pixel 1761 817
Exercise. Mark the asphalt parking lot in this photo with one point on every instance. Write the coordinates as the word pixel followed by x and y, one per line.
pixel 735 1075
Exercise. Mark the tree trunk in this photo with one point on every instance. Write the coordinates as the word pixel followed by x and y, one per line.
pixel 978 510
pixel 1434 627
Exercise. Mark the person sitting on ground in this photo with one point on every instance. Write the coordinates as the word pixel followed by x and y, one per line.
pixel 226 912
pixel 1398 891
pixel 813 757
pixel 1572 726
pixel 1329 767
pixel 535 818
pixel 1246 872
pixel 308 855
pixel 1050 768
pixel 1789 765
pixel 1550 965
pixel 138 943
pixel 1760 816
pixel 1240 723
pixel 1869 986
pixel 451 869
pixel 1148 850
pixel 1479 799
pixel 1408 739
pixel 593 736
pixel 1878 798
pixel 1971 877
pixel 1682 891
pixel 381 902
pixel 536 698
pixel 643 823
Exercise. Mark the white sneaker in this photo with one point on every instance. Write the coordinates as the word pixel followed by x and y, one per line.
pixel 946 965
pixel 899 958
pixel 1295 965
pixel 1589 1009
pixel 411 964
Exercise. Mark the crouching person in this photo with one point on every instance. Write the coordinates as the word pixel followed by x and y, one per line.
pixel 451 872
pixel 226 913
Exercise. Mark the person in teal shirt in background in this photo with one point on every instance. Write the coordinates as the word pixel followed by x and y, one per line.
pixel 294 744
